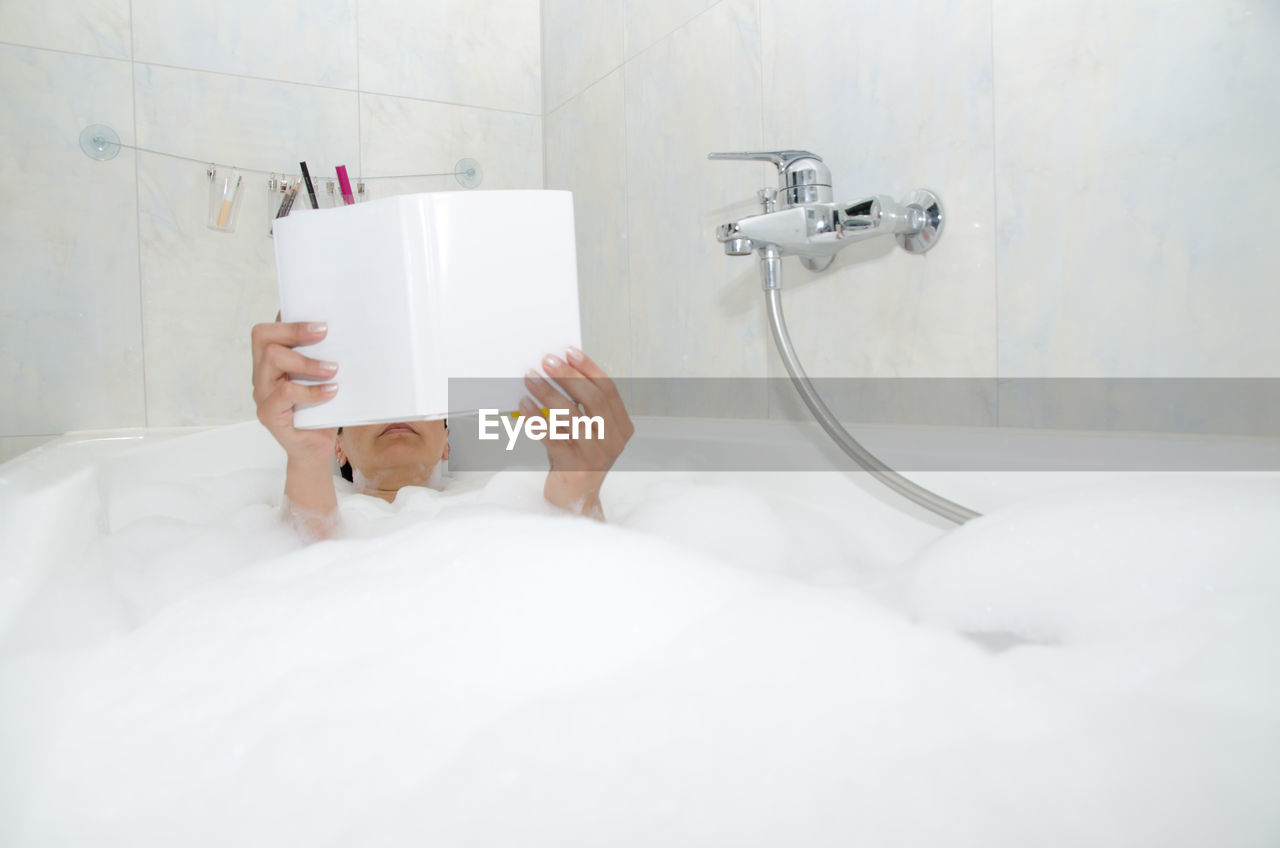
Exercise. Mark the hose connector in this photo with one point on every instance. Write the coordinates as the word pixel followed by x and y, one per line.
pixel 770 267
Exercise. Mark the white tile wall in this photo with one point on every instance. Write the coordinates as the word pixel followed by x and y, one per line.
pixel 312 42
pixel 1107 169
pixel 472 52
pixel 692 311
pixel 70 332
pixel 590 159
pixel 581 42
pixel 892 103
pixel 259 84
pixel 1107 172
pixel 401 136
pixel 92 27
pixel 647 22
pixel 203 290
pixel 1136 177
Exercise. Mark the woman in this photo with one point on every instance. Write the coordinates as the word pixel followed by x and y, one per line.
pixel 386 457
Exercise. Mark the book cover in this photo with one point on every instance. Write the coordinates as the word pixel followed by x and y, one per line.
pixel 436 303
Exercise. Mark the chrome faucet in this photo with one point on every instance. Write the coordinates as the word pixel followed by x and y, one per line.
pixel 800 218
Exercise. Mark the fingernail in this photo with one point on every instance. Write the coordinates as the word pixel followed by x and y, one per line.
pixel 329 389
pixel 574 354
pixel 527 406
pixel 551 361
pixel 317 327
pixel 533 378
pixel 327 366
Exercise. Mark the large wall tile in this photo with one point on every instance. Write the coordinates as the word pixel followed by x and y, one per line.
pixel 908 106
pixel 474 52
pixel 583 41
pixel 1136 179
pixel 648 21
pixel 95 27
pixel 312 42
pixel 586 154
pixel 70 354
pixel 694 312
pixel 203 290
pixel 405 136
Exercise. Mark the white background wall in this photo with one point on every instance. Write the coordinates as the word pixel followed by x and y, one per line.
pixel 1108 170
pixel 118 307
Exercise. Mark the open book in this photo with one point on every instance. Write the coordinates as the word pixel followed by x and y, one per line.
pixel 422 292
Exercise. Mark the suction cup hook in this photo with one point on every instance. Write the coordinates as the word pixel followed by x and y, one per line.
pixel 931 230
pixel 468 173
pixel 99 141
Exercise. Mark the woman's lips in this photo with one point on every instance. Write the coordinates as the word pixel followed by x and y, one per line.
pixel 399 427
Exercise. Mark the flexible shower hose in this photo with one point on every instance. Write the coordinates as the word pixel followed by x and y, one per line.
pixel 864 458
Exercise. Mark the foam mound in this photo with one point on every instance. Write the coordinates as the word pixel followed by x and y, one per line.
pixel 731 660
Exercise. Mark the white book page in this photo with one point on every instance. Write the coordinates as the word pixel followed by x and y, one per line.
pixel 347 267
pixel 509 288
pixel 437 304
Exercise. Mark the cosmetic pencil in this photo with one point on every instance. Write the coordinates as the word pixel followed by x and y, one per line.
pixel 311 189
pixel 344 183
pixel 285 206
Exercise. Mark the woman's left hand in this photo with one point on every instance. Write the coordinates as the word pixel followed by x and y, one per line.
pixel 579 465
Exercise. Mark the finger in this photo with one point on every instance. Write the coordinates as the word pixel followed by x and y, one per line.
pixel 286 360
pixel 290 334
pixel 579 387
pixel 591 370
pixel 545 393
pixel 279 363
pixel 264 336
pixel 608 388
pixel 560 452
pixel 278 407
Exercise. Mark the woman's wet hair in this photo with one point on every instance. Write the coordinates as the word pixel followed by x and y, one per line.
pixel 345 468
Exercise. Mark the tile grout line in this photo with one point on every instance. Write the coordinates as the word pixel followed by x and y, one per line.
pixel 995 214
pixel 626 223
pixel 359 102
pixel 20 46
pixel 356 90
pixel 137 221
pixel 542 85
pixel 626 60
pixel 766 359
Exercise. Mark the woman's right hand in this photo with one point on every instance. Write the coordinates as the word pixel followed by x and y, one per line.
pixel 274 360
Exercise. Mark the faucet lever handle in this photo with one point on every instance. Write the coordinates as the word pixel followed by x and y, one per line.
pixel 802 176
pixel 782 158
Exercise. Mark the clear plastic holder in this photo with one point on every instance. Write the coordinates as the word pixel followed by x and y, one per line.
pixel 284 194
pixel 287 193
pixel 278 198
pixel 329 193
pixel 226 188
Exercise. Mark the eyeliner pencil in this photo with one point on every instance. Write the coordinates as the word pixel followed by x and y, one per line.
pixel 311 189
pixel 285 206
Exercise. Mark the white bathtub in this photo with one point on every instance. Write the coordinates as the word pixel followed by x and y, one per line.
pixel 736 658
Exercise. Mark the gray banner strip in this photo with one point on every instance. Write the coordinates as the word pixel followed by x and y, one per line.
pixel 920 425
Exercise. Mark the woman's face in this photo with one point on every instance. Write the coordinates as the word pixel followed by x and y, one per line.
pixel 385 457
